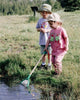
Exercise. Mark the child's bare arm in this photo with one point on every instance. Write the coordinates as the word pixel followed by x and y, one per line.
pixel 43 30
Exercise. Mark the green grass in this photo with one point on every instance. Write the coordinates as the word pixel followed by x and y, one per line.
pixel 19 47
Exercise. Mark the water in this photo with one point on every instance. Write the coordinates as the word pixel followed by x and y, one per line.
pixel 19 92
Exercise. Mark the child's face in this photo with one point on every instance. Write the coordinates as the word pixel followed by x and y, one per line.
pixel 53 24
pixel 44 14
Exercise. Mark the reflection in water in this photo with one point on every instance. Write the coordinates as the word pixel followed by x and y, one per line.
pixel 51 95
pixel 59 96
pixel 19 92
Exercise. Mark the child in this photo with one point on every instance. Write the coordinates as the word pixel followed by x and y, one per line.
pixel 59 42
pixel 44 29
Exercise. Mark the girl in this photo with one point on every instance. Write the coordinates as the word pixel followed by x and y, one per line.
pixel 59 42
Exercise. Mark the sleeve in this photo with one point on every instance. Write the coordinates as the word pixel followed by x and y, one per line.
pixel 38 25
pixel 65 37
pixel 64 33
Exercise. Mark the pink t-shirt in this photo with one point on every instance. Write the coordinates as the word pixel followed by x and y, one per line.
pixel 57 40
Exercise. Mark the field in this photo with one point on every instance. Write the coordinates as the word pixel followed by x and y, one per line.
pixel 20 51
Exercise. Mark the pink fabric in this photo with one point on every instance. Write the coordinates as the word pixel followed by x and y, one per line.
pixel 59 45
pixel 57 61
pixel 57 40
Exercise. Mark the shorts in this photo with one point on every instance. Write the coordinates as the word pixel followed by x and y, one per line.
pixel 42 47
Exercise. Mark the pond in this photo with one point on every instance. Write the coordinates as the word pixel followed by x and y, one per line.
pixel 19 92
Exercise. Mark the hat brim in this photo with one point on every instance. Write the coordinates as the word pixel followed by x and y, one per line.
pixel 60 21
pixel 44 10
pixel 49 20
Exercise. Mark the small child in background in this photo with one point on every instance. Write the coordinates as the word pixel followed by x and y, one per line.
pixel 59 42
pixel 44 29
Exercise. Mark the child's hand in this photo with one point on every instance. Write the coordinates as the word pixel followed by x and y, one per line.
pixel 45 49
pixel 66 48
pixel 43 30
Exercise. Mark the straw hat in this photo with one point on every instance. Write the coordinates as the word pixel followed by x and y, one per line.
pixel 45 7
pixel 54 17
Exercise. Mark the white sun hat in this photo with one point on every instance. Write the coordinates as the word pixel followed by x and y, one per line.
pixel 54 17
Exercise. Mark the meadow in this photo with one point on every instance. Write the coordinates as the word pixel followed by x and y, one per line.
pixel 20 51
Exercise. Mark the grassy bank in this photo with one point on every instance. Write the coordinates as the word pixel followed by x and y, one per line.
pixel 20 51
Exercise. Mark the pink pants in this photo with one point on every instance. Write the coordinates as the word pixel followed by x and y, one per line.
pixel 57 62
